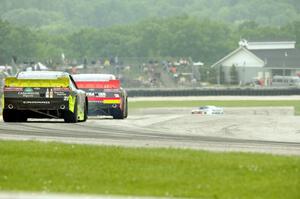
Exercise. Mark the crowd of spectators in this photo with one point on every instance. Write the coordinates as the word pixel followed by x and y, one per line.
pixel 139 72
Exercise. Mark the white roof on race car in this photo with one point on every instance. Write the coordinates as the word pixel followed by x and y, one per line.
pixel 41 75
pixel 208 107
pixel 93 77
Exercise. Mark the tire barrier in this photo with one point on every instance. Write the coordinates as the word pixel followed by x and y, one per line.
pixel 213 92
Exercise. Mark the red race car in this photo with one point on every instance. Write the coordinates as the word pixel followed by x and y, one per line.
pixel 104 93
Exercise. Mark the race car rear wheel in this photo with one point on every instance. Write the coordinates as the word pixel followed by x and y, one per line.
pixel 120 113
pixel 13 116
pixel 126 108
pixel 85 112
pixel 69 116
pixel 22 118
pixel 117 113
pixel 9 116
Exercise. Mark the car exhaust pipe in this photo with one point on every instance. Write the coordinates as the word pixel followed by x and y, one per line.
pixel 62 107
pixel 114 106
pixel 10 106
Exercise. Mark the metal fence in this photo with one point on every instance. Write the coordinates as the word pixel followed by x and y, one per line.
pixel 214 92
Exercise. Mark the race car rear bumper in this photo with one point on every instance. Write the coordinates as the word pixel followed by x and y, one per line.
pixel 36 104
pixel 97 108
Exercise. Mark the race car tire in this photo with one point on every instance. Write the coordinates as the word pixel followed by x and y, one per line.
pixel 117 113
pixel 13 116
pixel 22 118
pixel 9 116
pixel 126 108
pixel 85 117
pixel 69 116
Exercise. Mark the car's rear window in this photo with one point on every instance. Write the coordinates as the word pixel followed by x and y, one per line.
pixel 41 75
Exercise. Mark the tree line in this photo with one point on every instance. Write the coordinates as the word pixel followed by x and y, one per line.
pixel 182 36
pixel 68 15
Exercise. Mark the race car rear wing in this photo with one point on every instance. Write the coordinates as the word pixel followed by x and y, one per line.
pixel 111 84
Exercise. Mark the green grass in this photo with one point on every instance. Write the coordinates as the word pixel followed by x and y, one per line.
pixel 52 167
pixel 232 103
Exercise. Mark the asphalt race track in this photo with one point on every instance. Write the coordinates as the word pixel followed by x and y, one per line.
pixel 253 130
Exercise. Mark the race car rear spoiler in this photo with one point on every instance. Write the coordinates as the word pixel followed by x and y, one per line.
pixel 61 82
pixel 111 84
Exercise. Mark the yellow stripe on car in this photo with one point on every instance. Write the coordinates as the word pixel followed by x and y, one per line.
pixel 72 103
pixel 111 101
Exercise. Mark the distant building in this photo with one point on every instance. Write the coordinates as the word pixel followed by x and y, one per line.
pixel 260 60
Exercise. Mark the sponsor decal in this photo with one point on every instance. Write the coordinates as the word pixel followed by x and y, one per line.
pixel 28 90
pixel 13 89
pixel 49 93
pixel 36 102
pixel 61 89
pixel 90 94
pixel 101 94
pixel 28 94
pixel 59 93
pixel 111 90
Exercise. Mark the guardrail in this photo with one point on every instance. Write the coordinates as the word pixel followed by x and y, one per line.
pixel 213 92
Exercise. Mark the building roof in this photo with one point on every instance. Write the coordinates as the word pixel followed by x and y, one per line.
pixel 272 54
pixel 267 45
pixel 279 58
pixel 233 53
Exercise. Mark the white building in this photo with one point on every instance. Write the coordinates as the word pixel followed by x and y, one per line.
pixel 261 60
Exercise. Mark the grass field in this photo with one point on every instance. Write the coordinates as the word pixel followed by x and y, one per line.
pixel 233 103
pixel 52 167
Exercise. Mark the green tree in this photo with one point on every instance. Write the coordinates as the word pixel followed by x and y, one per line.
pixel 16 41
pixel 107 13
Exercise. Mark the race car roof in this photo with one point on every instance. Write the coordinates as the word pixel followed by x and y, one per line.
pixel 93 77
pixel 41 75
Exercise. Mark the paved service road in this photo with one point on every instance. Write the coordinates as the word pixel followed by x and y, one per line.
pixel 253 130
